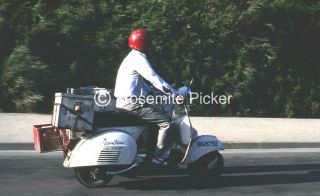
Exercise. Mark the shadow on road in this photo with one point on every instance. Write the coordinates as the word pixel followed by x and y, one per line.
pixel 233 176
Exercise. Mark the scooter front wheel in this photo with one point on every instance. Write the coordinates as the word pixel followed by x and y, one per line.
pixel 93 177
pixel 209 166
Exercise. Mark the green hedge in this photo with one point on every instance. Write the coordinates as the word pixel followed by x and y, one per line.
pixel 266 53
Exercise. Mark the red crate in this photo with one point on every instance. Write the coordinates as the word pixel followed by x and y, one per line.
pixel 47 138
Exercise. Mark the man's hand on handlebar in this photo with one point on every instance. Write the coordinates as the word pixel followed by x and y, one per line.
pixel 167 90
pixel 179 99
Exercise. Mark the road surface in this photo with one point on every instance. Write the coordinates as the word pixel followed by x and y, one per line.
pixel 247 172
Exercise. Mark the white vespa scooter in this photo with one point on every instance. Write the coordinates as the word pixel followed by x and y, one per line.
pixel 109 148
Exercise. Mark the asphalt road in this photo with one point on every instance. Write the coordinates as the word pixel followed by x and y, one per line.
pixel 247 172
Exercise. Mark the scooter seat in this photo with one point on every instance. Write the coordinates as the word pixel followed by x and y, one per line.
pixel 116 119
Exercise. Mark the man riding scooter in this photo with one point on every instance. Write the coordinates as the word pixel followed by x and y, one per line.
pixel 102 150
pixel 130 85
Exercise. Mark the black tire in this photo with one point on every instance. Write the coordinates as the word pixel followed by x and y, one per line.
pixel 208 166
pixel 93 177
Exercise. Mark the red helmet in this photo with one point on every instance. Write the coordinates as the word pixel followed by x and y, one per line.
pixel 138 39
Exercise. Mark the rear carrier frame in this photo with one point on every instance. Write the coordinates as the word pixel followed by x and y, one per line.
pixel 73 114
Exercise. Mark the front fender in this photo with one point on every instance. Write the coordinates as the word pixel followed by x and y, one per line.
pixel 200 146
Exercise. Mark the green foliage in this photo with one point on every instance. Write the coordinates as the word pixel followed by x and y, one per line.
pixel 265 53
pixel 23 78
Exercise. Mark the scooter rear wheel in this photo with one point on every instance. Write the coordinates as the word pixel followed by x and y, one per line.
pixel 208 166
pixel 93 177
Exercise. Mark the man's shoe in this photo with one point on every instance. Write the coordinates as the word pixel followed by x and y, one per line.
pixel 156 163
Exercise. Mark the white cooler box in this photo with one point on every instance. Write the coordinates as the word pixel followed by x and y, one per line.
pixel 76 111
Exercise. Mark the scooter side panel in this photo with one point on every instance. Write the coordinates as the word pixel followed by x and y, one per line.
pixel 107 148
pixel 134 131
pixel 202 145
